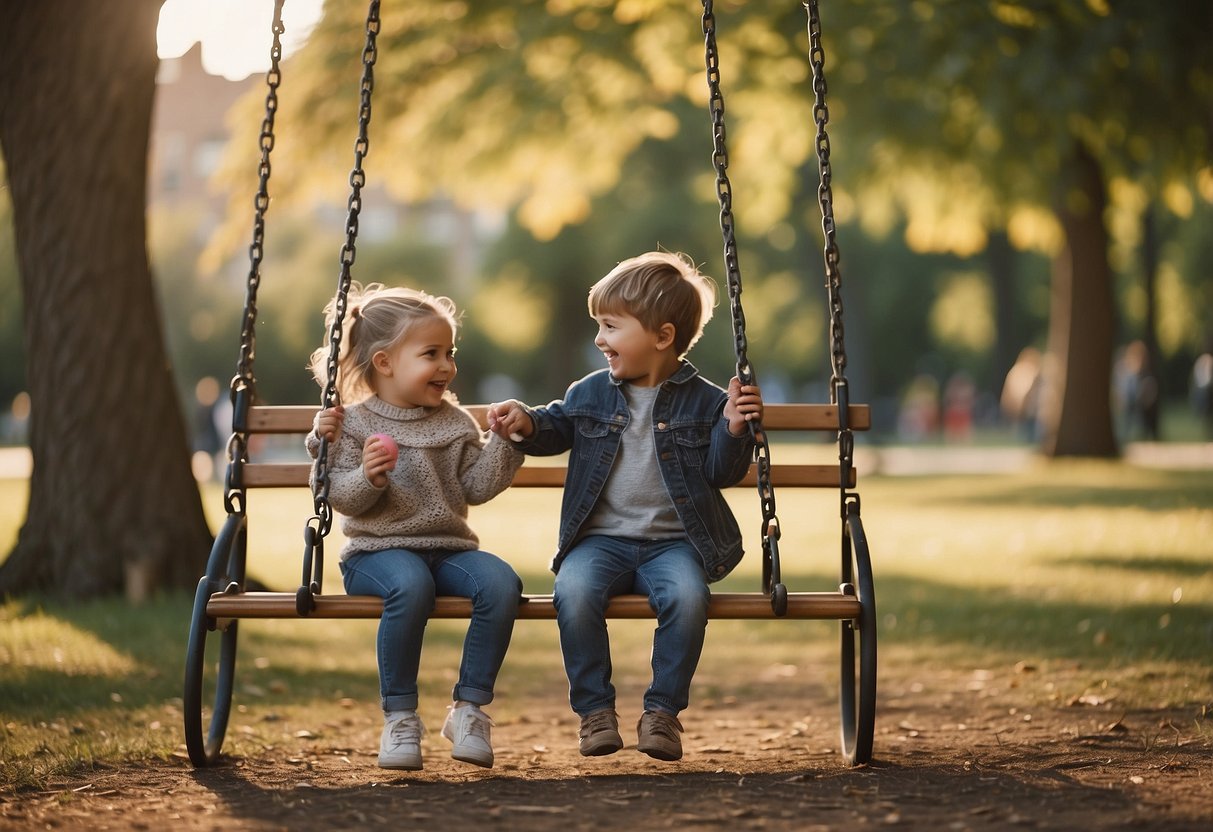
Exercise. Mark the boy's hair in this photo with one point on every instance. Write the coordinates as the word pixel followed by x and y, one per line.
pixel 657 288
pixel 377 318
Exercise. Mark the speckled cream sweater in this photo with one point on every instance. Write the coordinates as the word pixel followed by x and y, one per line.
pixel 445 464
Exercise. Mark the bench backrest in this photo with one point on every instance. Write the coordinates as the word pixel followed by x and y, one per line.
pixel 297 419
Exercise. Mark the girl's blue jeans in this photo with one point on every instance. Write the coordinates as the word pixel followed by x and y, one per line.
pixel 408 582
pixel 671 574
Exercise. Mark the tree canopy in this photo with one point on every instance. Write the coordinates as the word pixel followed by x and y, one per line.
pixel 954 105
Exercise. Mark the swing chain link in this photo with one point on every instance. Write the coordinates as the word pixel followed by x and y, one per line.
pixel 320 477
pixel 825 195
pixel 839 394
pixel 243 384
pixel 745 371
pixel 724 193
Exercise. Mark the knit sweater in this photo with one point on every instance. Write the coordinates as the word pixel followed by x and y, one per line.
pixel 446 464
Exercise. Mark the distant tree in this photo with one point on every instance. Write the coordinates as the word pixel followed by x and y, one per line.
pixel 113 505
pixel 1023 116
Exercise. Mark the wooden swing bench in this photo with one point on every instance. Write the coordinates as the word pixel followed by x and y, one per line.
pixel 221 601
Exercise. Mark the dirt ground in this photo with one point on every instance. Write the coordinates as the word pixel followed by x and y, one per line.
pixel 965 751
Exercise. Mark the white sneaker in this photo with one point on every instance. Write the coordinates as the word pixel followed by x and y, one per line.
pixel 400 744
pixel 468 728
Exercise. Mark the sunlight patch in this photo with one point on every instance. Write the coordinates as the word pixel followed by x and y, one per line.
pixel 42 642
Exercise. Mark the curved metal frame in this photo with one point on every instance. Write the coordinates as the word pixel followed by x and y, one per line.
pixel 224 570
pixel 857 695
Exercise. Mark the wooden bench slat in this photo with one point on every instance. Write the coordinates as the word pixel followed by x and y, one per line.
pixel 298 418
pixel 288 474
pixel 814 417
pixel 739 605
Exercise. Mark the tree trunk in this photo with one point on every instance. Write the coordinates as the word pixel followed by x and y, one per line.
pixel 1076 405
pixel 113 504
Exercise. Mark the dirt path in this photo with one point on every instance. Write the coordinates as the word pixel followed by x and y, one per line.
pixel 948 757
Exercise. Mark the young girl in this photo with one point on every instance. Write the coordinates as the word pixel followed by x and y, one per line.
pixel 405 461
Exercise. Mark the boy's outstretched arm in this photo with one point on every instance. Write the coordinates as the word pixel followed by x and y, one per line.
pixel 744 404
pixel 510 420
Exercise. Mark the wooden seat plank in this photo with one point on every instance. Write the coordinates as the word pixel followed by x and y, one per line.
pixel 737 605
pixel 290 474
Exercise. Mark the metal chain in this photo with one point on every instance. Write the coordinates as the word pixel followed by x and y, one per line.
pixel 839 393
pixel 745 372
pixel 825 197
pixel 243 384
pixel 324 512
pixel 724 192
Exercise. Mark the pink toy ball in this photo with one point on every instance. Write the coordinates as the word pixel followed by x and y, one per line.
pixel 387 442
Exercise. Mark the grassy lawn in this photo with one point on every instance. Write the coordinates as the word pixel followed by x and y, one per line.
pixel 1097 575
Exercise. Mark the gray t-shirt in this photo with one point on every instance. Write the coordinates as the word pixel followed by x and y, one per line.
pixel 634 502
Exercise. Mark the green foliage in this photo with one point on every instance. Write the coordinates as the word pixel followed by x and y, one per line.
pixel 1010 87
pixel 541 105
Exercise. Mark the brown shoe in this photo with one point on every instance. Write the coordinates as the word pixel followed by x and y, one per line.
pixel 600 733
pixel 658 735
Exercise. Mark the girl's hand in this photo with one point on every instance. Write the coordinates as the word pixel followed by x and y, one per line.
pixel 510 420
pixel 328 423
pixel 743 405
pixel 379 453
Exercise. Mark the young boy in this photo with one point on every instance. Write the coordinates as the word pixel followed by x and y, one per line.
pixel 652 444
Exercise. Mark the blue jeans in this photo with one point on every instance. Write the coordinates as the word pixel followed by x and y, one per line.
pixel 670 573
pixel 408 582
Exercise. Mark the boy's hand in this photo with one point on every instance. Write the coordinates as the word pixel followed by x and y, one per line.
pixel 510 420
pixel 379 454
pixel 328 423
pixel 743 405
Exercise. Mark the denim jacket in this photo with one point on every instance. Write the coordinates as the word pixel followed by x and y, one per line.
pixel 695 451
